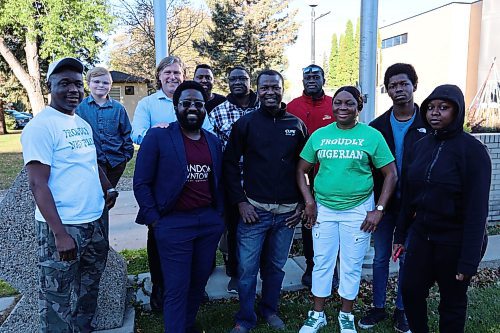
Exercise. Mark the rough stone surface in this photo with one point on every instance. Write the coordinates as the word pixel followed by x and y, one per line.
pixel 18 265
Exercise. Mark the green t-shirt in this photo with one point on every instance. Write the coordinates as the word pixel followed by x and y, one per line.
pixel 344 178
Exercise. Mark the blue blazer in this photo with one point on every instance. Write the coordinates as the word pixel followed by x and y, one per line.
pixel 161 172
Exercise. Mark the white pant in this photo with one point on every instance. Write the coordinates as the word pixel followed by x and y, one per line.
pixel 334 229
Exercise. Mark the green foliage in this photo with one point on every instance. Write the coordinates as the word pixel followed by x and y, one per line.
pixel 248 33
pixel 137 261
pixel 10 122
pixel 62 27
pixel 6 290
pixel 344 57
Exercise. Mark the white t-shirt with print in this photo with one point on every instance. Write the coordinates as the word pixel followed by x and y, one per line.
pixel 64 142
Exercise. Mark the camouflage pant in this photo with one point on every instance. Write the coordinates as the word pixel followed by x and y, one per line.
pixel 58 278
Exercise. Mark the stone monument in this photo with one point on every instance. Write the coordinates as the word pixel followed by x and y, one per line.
pixel 18 266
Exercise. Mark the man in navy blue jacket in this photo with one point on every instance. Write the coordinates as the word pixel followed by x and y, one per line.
pixel 177 184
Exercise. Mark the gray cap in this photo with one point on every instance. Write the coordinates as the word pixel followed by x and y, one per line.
pixel 57 65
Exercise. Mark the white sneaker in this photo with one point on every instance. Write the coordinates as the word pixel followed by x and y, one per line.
pixel 314 322
pixel 346 322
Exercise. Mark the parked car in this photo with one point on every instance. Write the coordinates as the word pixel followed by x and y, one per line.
pixel 21 118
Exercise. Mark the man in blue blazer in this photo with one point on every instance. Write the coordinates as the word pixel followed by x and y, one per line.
pixel 177 184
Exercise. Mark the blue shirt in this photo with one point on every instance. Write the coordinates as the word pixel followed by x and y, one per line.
pixel 154 109
pixel 111 130
pixel 399 130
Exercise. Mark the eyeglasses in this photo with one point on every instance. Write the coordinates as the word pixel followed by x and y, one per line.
pixel 187 104
pixel 238 78
pixel 311 70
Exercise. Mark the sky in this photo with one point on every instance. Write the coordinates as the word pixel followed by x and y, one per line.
pixel 299 54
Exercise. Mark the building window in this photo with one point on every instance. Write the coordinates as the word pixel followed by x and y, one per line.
pixel 129 90
pixel 396 40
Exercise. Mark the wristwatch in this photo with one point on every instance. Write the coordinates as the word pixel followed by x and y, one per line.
pixel 379 208
pixel 113 190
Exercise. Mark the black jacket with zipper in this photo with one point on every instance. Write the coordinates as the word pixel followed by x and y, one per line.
pixel 270 147
pixel 418 129
pixel 447 187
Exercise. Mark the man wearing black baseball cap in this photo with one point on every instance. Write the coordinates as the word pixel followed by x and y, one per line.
pixel 70 193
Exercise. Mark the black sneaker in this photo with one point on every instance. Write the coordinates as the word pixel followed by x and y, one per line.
pixel 307 277
pixel 374 316
pixel 400 322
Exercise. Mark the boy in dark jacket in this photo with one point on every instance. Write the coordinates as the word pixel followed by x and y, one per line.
pixel 401 127
pixel 445 208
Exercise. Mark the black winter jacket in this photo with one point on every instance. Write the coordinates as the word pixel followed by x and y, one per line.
pixel 447 187
pixel 418 129
pixel 270 147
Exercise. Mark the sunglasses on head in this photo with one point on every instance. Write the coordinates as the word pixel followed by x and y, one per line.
pixel 311 70
pixel 187 104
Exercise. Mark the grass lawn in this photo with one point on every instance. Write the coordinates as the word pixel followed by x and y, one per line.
pixel 129 170
pixel 11 158
pixel 217 317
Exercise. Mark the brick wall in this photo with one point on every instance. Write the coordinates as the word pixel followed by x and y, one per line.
pixel 492 141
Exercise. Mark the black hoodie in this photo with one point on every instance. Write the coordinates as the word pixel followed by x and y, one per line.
pixel 447 186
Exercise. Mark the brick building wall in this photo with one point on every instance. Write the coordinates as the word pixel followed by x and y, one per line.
pixel 492 141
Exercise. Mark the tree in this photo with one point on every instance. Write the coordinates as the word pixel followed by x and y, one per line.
pixel 135 49
pixel 35 32
pixel 333 62
pixel 252 33
pixel 344 57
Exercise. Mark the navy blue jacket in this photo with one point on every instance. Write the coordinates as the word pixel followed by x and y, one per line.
pixel 161 172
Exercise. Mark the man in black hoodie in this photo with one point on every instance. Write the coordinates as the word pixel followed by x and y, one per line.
pixel 444 208
pixel 401 127
pixel 269 140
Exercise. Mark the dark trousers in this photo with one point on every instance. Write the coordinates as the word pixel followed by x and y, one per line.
pixel 155 270
pixel 113 173
pixel 186 244
pixel 231 217
pixel 427 262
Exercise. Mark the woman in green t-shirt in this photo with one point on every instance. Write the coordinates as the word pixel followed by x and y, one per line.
pixel 342 212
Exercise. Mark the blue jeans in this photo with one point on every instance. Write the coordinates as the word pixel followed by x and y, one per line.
pixel 269 239
pixel 383 249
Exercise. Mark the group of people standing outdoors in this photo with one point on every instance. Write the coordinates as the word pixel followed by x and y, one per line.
pixel 250 168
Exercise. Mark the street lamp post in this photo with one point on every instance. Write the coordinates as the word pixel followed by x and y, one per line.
pixel 314 4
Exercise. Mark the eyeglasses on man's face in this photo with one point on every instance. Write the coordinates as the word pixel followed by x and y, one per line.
pixel 187 104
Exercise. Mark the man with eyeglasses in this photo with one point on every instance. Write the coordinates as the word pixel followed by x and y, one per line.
pixel 314 108
pixel 110 125
pixel 157 110
pixel 204 75
pixel 177 184
pixel 240 101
